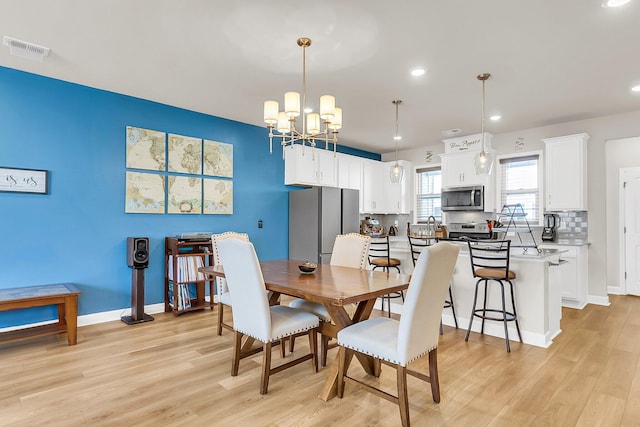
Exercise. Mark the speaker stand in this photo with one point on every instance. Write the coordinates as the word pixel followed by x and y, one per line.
pixel 137 299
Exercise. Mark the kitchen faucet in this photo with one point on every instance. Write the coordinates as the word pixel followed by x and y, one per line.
pixel 431 226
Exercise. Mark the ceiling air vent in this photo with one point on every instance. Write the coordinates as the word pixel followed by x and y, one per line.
pixel 25 49
pixel 451 132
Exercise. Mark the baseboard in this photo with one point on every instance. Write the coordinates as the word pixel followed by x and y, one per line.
pixel 94 318
pixel 615 290
pixel 598 300
pixel 109 316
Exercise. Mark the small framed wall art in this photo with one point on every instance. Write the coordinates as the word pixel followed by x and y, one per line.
pixel 17 180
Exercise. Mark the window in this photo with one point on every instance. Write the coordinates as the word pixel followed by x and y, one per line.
pixel 428 187
pixel 520 183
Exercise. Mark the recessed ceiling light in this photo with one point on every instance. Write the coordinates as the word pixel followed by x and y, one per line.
pixel 635 88
pixel 614 3
pixel 495 117
pixel 418 71
pixel 397 138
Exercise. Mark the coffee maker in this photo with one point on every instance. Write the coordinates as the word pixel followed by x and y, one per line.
pixel 549 230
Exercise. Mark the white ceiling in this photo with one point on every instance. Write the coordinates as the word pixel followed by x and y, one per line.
pixel 552 61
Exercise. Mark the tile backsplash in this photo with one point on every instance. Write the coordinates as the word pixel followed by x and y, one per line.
pixel 573 225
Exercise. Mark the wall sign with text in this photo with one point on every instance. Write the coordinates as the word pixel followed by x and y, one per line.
pixel 23 180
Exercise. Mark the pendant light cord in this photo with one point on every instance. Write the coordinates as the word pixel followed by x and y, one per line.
pixel 397 102
pixel 482 130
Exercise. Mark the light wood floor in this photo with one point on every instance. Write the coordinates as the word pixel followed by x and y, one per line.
pixel 175 371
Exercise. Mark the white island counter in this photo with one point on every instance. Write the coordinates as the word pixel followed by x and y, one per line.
pixel 538 296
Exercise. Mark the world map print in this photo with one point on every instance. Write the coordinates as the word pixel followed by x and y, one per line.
pixel 218 159
pixel 185 154
pixel 185 195
pixel 145 149
pixel 218 196
pixel 144 193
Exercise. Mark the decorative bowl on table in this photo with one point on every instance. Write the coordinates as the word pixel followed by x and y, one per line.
pixel 307 267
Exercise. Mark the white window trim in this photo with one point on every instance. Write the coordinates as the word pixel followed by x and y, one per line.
pixel 415 187
pixel 498 195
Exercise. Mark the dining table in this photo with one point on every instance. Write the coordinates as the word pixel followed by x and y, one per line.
pixel 338 289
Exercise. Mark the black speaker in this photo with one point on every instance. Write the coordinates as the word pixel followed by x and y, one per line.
pixel 138 252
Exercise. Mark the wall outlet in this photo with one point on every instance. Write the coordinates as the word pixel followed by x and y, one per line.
pixel 395 223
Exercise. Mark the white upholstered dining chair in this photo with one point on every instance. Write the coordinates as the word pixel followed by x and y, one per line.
pixel 349 250
pixel 252 315
pixel 221 289
pixel 398 342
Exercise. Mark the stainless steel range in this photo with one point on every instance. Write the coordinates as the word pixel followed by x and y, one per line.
pixel 474 230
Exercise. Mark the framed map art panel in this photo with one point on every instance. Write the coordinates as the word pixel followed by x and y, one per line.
pixel 185 154
pixel 144 193
pixel 185 195
pixel 146 149
pixel 218 159
pixel 218 197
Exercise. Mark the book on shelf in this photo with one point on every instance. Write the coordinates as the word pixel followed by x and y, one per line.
pixel 184 293
pixel 187 269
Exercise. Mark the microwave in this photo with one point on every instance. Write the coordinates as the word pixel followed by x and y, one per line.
pixel 463 198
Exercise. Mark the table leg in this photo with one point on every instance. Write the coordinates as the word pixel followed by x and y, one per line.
pixel 341 318
pixel 71 318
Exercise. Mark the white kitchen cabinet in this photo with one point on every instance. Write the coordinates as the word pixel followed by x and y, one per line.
pixel 350 171
pixel 380 196
pixel 572 274
pixel 304 165
pixel 458 170
pixel 566 172
pixel 398 197
pixel 372 187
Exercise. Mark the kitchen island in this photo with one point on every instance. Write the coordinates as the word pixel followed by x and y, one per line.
pixel 538 296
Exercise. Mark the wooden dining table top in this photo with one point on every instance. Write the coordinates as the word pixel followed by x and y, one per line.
pixel 328 284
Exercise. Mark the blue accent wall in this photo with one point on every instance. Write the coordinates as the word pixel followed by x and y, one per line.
pixel 77 233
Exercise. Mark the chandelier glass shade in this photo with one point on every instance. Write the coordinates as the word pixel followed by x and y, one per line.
pixel 483 161
pixel 396 172
pixel 319 126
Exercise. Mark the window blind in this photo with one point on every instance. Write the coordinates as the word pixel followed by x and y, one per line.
pixel 428 189
pixel 519 184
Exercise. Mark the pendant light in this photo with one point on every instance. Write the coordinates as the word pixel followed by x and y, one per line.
pixel 483 161
pixel 396 172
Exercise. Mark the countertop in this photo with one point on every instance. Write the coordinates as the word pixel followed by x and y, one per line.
pixel 566 242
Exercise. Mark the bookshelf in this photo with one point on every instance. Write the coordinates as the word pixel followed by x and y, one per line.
pixel 184 285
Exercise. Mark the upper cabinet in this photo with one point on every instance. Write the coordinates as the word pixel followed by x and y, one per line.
pixel 458 170
pixel 398 197
pixel 566 172
pixel 319 167
pixel 379 195
pixel 304 165
pixel 349 171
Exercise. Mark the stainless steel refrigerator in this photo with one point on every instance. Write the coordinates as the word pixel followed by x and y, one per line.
pixel 316 216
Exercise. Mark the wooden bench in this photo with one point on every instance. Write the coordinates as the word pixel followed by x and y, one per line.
pixel 64 295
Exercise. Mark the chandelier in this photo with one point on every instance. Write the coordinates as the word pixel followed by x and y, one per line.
pixel 284 122
pixel 396 172
pixel 483 161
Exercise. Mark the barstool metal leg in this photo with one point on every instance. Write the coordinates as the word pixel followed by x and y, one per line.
pixel 484 306
pixel 473 311
pixel 453 308
pixel 515 314
pixel 504 316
